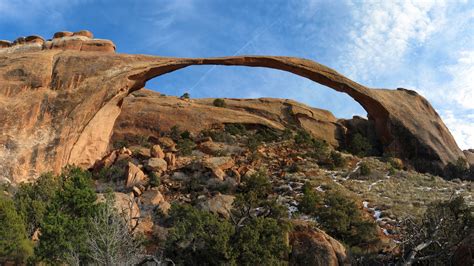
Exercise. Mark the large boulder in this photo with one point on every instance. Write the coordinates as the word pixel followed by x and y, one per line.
pixel 126 206
pixel 157 164
pixel 469 156
pixel 135 176
pixel 311 246
pixel 219 204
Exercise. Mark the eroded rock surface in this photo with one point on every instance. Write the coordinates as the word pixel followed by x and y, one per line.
pixel 148 113
pixel 59 100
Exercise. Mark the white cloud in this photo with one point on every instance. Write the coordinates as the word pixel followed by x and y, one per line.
pixel 461 126
pixel 461 87
pixel 30 11
pixel 384 31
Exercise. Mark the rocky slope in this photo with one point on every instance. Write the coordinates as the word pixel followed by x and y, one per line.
pixel 206 172
pixel 59 100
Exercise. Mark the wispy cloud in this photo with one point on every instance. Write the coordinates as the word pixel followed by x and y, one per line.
pixel 462 128
pixel 26 10
pixel 426 44
pixel 385 31
pixel 461 86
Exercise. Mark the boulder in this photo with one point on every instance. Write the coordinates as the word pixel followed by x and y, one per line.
pixel 19 41
pixel 311 246
pixel 126 206
pixel 135 176
pixel 141 151
pixel 136 191
pixel 157 152
pixel 34 39
pixel 157 164
pixel 223 162
pixel 152 198
pixel 219 204
pixel 145 226
pixel 84 33
pixel 95 45
pixel 180 176
pixel 5 44
pixel 62 34
pixel 170 158
pixel 168 144
pixel 108 160
pixel 164 207
pixel 469 156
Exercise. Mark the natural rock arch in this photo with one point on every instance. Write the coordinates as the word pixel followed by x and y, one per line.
pixel 406 124
pixel 298 66
pixel 59 103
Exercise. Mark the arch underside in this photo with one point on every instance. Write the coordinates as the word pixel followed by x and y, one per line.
pixel 311 70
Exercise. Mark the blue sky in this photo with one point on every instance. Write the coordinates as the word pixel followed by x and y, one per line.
pixel 423 45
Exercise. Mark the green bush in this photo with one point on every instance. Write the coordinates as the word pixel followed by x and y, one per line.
pixel 185 134
pixel 267 135
pixel 364 169
pixel 114 172
pixel 256 189
pixel 198 237
pixel 219 136
pixel 257 234
pixel 341 218
pixel 260 136
pixel 360 145
pixel 286 134
pixel 235 129
pixel 253 143
pixel 66 220
pixel 120 144
pixel 457 170
pixel 303 138
pixel 219 103
pixel 32 200
pixel 15 245
pixel 255 192
pixel 336 159
pixel 138 140
pixel 294 168
pixel 261 242
pixel 185 147
pixel 433 239
pixel 175 133
pixel 154 179
pixel 319 148
pixel 185 96
pixel 309 201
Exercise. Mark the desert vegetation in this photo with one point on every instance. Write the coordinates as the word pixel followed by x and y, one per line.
pixel 240 195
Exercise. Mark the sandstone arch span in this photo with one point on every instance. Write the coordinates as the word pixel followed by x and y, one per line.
pixel 58 103
pixel 298 66
pixel 406 124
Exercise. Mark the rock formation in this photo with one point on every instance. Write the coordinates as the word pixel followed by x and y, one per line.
pixel 59 100
pixel 147 113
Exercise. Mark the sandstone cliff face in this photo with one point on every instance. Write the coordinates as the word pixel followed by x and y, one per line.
pixel 59 100
pixel 147 113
